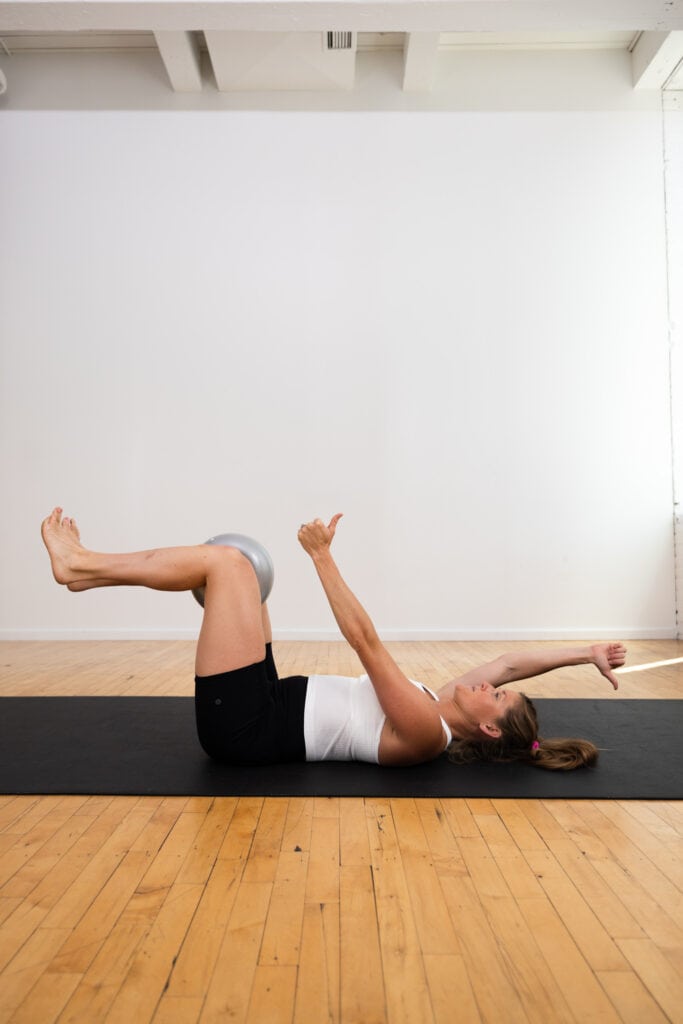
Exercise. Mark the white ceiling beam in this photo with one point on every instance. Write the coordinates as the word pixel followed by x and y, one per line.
pixel 420 51
pixel 180 54
pixel 292 61
pixel 344 15
pixel 655 57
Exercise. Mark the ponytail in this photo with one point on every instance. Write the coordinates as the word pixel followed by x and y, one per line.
pixel 561 755
pixel 519 741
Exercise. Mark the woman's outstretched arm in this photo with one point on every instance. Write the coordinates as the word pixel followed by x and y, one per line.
pixel 415 721
pixel 509 668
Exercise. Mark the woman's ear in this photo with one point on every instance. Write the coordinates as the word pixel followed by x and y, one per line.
pixel 491 730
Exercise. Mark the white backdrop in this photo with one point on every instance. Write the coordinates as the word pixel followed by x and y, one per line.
pixel 449 326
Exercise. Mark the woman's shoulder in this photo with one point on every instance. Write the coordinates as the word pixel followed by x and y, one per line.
pixel 401 751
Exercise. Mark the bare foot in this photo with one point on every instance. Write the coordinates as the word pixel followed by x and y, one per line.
pixel 63 542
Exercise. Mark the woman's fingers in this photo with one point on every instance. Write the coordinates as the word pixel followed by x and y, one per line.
pixel 333 523
pixel 316 534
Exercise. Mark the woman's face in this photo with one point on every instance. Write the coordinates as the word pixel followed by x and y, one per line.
pixel 483 704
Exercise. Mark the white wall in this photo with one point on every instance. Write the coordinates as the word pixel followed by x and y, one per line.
pixel 673 156
pixel 450 325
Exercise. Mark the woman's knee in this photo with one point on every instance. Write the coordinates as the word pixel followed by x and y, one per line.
pixel 231 563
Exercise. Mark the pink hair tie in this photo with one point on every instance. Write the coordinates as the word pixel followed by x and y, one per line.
pixel 535 746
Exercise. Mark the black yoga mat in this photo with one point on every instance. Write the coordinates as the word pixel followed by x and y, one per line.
pixel 148 746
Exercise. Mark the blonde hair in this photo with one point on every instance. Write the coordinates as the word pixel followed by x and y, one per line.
pixel 519 741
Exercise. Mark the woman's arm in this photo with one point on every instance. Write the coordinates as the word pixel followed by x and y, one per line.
pixel 415 721
pixel 509 668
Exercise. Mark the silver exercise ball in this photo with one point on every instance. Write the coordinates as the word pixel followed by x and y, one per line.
pixel 251 549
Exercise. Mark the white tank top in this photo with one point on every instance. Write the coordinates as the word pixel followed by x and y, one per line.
pixel 343 719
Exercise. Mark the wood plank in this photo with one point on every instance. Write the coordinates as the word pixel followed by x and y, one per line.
pixel 482 867
pixel 60 875
pixel 27 877
pixel 68 908
pixel 317 992
pixel 432 920
pixel 440 838
pixel 363 1000
pixel 46 999
pixel 7 908
pixel 132 873
pixel 240 834
pixel 329 916
pixel 585 927
pixel 196 962
pixel 95 993
pixel 509 860
pixel 281 943
pixel 666 856
pixel 670 811
pixel 631 999
pixel 12 812
pixel 151 965
pixel 172 855
pixel 460 819
pixel 94 806
pixel 657 925
pixel 654 822
pixel 30 826
pixel 529 823
pixel 296 835
pixel 322 880
pixel 89 934
pixel 584 996
pixel 354 847
pixel 59 898
pixel 605 903
pixel 326 807
pixel 639 864
pixel 536 987
pixel 450 989
pixel 272 994
pixel 265 849
pixel 493 985
pixel 203 851
pixel 663 981
pixel 178 1010
pixel 567 815
pixel 407 995
pixel 26 967
pixel 229 992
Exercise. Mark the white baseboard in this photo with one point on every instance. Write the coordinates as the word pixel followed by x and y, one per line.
pixel 57 635
pixel 323 635
pixel 473 635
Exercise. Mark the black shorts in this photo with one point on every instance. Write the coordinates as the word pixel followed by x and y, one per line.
pixel 249 716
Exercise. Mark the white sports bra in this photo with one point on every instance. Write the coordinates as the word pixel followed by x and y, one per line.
pixel 343 719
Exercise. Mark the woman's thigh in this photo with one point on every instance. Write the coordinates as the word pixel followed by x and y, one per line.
pixel 232 635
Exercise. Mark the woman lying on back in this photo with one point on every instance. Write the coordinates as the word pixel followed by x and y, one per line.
pixel 247 715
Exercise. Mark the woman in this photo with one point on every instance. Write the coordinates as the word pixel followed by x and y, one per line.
pixel 246 715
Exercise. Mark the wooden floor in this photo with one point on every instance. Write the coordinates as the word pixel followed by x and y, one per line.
pixel 356 910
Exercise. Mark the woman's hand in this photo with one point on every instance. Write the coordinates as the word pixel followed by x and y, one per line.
pixel 606 657
pixel 316 537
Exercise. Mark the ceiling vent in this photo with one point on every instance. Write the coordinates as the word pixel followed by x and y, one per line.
pixel 340 40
